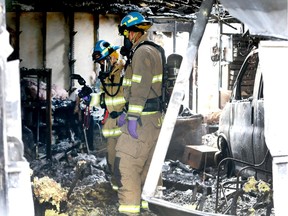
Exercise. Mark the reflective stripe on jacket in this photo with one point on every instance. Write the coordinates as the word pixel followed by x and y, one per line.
pixel 114 103
pixel 134 209
pixel 117 102
pixel 113 132
pixel 145 73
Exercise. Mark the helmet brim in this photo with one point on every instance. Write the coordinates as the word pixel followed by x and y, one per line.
pixel 143 26
pixel 101 57
pixel 115 48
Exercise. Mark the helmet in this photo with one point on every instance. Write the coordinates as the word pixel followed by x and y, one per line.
pixel 103 49
pixel 134 21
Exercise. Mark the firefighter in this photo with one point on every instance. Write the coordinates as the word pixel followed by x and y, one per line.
pixel 141 122
pixel 111 77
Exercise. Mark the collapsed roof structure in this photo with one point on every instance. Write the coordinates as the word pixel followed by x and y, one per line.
pixel 179 9
pixel 258 15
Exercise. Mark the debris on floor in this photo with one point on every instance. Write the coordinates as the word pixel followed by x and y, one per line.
pixel 78 184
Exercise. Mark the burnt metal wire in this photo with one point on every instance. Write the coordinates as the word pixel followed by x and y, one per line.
pixel 249 166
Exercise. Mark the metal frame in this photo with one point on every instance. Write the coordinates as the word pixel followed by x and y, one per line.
pixel 173 25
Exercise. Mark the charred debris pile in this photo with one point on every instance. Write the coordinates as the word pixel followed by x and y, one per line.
pixel 78 184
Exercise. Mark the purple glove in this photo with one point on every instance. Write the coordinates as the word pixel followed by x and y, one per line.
pixel 122 119
pixel 132 128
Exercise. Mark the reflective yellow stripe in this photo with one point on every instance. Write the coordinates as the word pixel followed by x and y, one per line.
pixel 111 132
pixel 129 208
pixel 105 50
pixel 126 82
pixel 131 19
pixel 160 121
pixel 138 110
pixel 144 204
pixel 115 187
pixel 157 78
pixel 136 78
pixel 115 101
pixel 135 108
pixel 149 113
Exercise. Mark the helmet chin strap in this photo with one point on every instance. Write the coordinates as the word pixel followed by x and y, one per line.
pixel 135 37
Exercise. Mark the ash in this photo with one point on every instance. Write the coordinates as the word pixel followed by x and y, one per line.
pixel 85 178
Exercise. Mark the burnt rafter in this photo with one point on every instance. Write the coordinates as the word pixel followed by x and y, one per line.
pixel 186 9
pixel 108 6
pixel 187 6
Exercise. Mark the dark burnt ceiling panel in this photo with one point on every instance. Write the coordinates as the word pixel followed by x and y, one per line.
pixel 185 9
pixel 111 6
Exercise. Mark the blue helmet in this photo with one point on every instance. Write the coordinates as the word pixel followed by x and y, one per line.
pixel 103 49
pixel 134 21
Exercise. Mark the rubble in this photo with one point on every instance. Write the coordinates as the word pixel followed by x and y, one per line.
pixel 85 180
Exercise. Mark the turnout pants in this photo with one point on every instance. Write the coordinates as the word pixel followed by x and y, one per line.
pixel 133 158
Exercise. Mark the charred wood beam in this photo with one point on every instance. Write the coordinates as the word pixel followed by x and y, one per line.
pixel 44 36
pixel 186 9
pixel 109 6
pixel 71 59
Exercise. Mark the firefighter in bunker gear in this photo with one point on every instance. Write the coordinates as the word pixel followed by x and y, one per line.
pixel 142 87
pixel 111 77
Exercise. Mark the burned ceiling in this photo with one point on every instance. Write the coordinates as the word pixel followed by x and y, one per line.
pixel 180 9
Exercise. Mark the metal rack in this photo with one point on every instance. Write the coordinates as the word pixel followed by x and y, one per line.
pixel 37 108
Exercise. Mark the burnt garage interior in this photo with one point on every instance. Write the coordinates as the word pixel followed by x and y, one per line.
pixel 52 40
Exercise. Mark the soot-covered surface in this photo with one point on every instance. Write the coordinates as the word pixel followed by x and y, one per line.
pixel 78 184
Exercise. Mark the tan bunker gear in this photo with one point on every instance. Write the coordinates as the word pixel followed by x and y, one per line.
pixel 142 89
pixel 115 102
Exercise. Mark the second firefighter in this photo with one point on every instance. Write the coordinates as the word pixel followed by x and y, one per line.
pixel 111 76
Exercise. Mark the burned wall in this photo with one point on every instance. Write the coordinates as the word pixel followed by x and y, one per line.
pixel 53 40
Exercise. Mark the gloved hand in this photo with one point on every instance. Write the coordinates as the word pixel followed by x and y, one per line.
pixel 122 119
pixel 132 128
